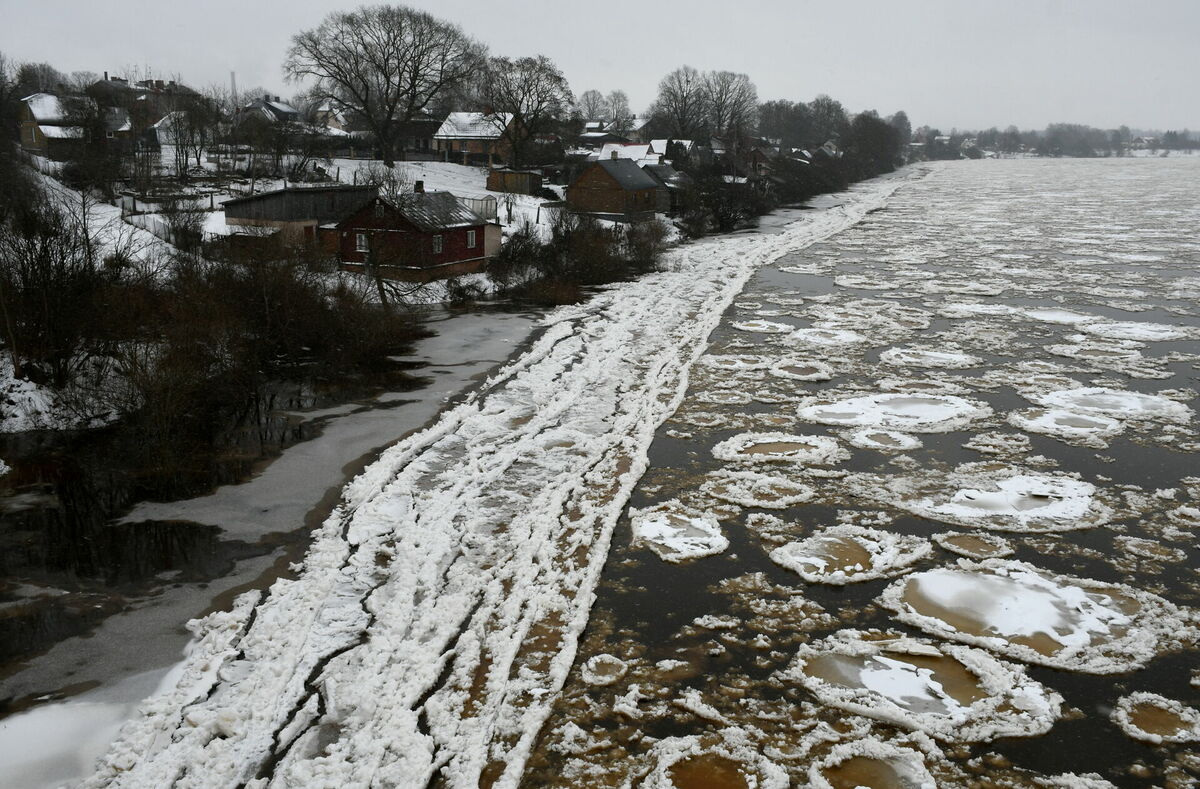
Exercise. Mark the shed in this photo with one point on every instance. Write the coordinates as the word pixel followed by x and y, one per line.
pixel 297 212
pixel 510 181
pixel 616 188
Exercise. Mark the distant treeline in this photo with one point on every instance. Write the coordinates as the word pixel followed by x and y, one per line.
pixel 1057 139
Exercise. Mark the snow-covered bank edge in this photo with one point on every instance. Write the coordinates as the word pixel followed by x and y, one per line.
pixel 439 608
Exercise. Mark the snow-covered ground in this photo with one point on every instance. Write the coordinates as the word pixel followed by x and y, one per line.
pixel 437 613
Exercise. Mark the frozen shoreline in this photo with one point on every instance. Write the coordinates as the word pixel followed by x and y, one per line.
pixel 442 601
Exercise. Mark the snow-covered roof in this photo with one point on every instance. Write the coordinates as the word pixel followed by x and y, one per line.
pixel 473 125
pixel 283 107
pixel 62 132
pixel 636 151
pixel 593 125
pixel 45 107
pixel 638 122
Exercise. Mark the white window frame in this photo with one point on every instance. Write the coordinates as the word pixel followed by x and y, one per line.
pixel 470 239
pixel 437 245
pixel 361 244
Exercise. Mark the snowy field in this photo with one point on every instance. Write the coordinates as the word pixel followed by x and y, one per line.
pixel 437 614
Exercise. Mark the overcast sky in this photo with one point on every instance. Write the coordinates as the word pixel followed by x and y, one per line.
pixel 948 63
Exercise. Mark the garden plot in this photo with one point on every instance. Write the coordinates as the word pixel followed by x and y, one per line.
pixel 845 554
pixel 950 692
pixel 1029 614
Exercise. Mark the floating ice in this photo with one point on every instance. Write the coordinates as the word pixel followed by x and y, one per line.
pixel 780 447
pixel 845 554
pixel 1117 403
pixel 826 337
pixel 870 762
pixel 731 762
pixel 864 282
pixel 883 440
pixel 950 692
pixel 799 369
pixel 1064 317
pixel 762 327
pixel 675 536
pixel 724 397
pixel 752 489
pixel 999 443
pixel 735 363
pixel 897 411
pixel 1149 549
pixel 603 670
pixel 1020 502
pixel 1030 614
pixel 924 357
pixel 1156 719
pixel 974 546
pixel 1141 332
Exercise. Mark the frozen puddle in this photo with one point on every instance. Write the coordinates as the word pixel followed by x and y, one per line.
pixel 752 489
pixel 780 447
pixel 1019 503
pixel 676 536
pixel 846 554
pixel 1156 719
pixel 950 692
pixel 896 411
pixel 1116 403
pixel 1092 430
pixel 923 357
pixel 871 763
pixel 974 546
pixel 1055 620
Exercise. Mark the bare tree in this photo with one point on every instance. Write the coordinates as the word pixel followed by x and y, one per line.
pixel 681 106
pixel 592 105
pixel 532 91
pixel 732 103
pixel 386 63
pixel 620 117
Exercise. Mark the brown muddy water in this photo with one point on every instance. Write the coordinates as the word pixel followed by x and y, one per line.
pixel 103 561
pixel 1010 274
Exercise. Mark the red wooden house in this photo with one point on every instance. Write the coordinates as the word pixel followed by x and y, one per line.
pixel 417 237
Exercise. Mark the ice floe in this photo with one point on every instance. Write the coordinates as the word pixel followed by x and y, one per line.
pixel 1092 430
pixel 780 448
pixel 762 327
pixel 1008 501
pixel 735 363
pixel 1156 719
pixel 826 337
pixel 1140 332
pixel 731 762
pixel 845 554
pixel 799 369
pixel 1059 316
pixel 950 692
pixel 1030 614
pixel 870 762
pixel 883 440
pixel 925 357
pixel 602 670
pixel 974 546
pixel 753 489
pixel 918 413
pixel 1116 403
pixel 675 535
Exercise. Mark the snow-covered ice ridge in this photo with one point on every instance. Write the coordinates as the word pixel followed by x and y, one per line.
pixel 437 613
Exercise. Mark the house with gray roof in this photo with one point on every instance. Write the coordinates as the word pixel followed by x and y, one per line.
pixel 614 189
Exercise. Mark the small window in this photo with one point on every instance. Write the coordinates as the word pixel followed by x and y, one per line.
pixel 437 245
pixel 360 242
pixel 379 210
pixel 470 239
pixel 109 135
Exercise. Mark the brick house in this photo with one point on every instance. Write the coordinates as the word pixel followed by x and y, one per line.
pixel 614 189
pixel 416 237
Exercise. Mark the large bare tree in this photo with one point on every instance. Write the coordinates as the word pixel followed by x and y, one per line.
pixel 620 117
pixel 681 107
pixel 732 102
pixel 386 63
pixel 532 91
pixel 591 105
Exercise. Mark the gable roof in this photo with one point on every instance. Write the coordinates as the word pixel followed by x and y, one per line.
pixel 635 151
pixel 45 107
pixel 668 175
pixel 627 174
pixel 433 211
pixel 473 126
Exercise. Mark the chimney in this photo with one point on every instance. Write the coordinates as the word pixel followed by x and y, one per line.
pixel 106 76
pixel 418 187
pixel 614 156
pixel 266 97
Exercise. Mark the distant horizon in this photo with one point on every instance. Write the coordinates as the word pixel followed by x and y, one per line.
pixel 948 65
